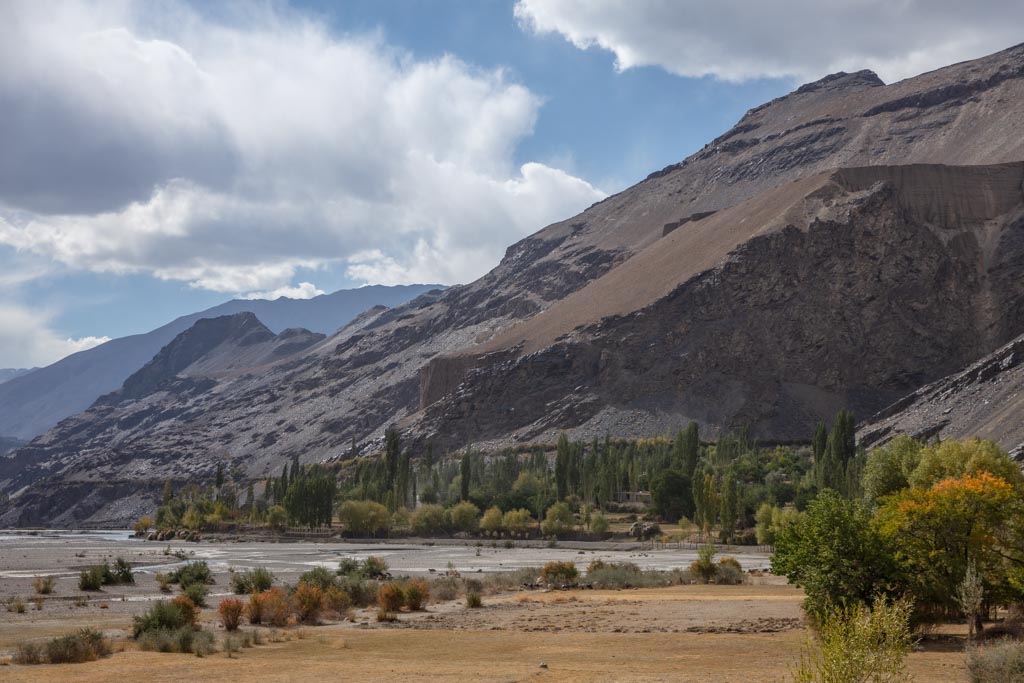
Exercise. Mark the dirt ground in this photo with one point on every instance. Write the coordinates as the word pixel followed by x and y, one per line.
pixel 681 633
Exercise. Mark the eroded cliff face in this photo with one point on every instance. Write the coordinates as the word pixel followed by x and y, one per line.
pixel 878 281
pixel 535 346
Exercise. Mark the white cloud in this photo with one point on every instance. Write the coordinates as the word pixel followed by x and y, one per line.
pixel 735 40
pixel 144 137
pixel 304 290
pixel 27 340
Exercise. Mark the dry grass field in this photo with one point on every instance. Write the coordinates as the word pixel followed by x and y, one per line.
pixel 682 633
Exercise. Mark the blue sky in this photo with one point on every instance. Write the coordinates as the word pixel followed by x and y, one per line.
pixel 164 157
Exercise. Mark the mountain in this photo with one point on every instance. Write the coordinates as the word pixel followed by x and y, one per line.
pixel 842 245
pixel 985 400
pixel 35 402
pixel 7 374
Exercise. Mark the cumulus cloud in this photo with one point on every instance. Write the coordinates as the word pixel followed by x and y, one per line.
pixel 146 137
pixel 736 40
pixel 27 339
pixel 304 290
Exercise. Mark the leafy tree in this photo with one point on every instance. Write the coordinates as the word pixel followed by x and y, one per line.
pixel 672 495
pixel 364 517
pixel 491 521
pixel 834 552
pixel 428 519
pixel 889 467
pixel 466 517
pixel 466 472
pixel 562 464
pixel 691 449
pixel 558 520
pixel 517 521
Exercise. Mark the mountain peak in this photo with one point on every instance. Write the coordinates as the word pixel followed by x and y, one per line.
pixel 843 81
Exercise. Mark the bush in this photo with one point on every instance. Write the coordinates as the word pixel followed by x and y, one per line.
pixel 321 577
pixel 166 616
pixel 390 597
pixel 857 644
pixel 123 571
pixel 559 573
pixel 337 601
pixel 1002 662
pixel 558 520
pixel 491 521
pixel 254 608
pixel 183 640
pixel 729 575
pixel 87 645
pixel 375 568
pixel 28 653
pixel 361 592
pixel 230 611
pixel 196 592
pixel 428 520
pixel 144 524
pixel 599 524
pixel 417 592
pixel 309 600
pixel 164 582
pixel 252 581
pixel 384 615
pixel 91 579
pixel 276 609
pixel 43 585
pixel 364 517
pixel 16 605
pixel 446 588
pixel 466 517
pixel 350 566
pixel 704 568
pixel 191 573
pixel 473 600
pixel 517 522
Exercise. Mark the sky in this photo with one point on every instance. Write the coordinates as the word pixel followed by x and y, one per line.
pixel 160 157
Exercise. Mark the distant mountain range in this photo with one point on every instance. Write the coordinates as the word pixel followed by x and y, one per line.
pixel 7 374
pixel 33 401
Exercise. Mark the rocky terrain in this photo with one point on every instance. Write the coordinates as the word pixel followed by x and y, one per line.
pixel 29 405
pixel 840 246
pixel 984 400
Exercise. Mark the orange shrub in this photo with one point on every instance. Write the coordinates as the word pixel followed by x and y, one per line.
pixel 230 610
pixel 337 601
pixel 254 610
pixel 309 599
pixel 417 592
pixel 276 607
pixel 390 597
pixel 188 609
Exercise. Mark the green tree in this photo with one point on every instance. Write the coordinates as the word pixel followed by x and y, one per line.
pixel 558 520
pixel 466 472
pixel 466 517
pixel 491 521
pixel 835 554
pixel 691 449
pixel 672 495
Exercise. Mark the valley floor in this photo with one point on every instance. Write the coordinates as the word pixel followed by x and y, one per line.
pixel 751 632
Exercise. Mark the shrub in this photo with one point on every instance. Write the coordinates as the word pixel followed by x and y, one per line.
pixel 1002 662
pixel 595 565
pixel 254 608
pixel 309 600
pixel 166 616
pixel 384 615
pixel 277 517
pixel 350 566
pixel 375 568
pixel 337 600
pixel 87 645
pixel 730 562
pixel 729 575
pixel 466 517
pixel 183 640
pixel 276 609
pixel 122 572
pixel 28 653
pixel 144 524
pixel 252 581
pixel 364 517
pixel 43 585
pixel 230 611
pixel 417 592
pixel 196 592
pixel 704 567
pixel 321 577
pixel 192 572
pixel 491 521
pixel 90 579
pixel 428 520
pixel 558 520
pixel 559 573
pixel 857 644
pixel 446 588
pixel 361 592
pixel 473 600
pixel 17 605
pixel 599 524
pixel 164 582
pixel 390 597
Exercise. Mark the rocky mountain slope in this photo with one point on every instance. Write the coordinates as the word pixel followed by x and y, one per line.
pixel 752 283
pixel 985 400
pixel 31 404
pixel 7 374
